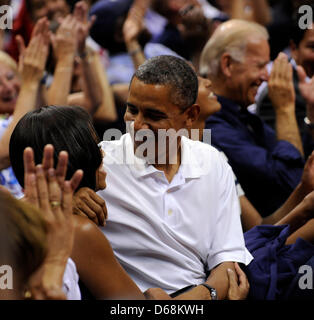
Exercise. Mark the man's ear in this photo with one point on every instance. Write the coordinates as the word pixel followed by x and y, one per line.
pixel 225 64
pixel 192 113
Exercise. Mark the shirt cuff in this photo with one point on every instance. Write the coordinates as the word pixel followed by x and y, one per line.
pixel 286 151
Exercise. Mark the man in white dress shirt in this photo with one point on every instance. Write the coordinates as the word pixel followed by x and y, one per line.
pixel 171 223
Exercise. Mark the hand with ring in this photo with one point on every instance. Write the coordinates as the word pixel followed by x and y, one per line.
pixel 46 188
pixel 65 41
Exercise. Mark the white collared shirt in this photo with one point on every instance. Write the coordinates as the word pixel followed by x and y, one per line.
pixel 169 235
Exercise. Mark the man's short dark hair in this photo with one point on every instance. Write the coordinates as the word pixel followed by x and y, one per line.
pixel 67 129
pixel 171 71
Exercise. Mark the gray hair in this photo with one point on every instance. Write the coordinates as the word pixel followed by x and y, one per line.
pixel 230 37
pixel 173 71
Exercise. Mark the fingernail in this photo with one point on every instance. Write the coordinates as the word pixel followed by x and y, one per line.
pixel 51 172
pixel 229 270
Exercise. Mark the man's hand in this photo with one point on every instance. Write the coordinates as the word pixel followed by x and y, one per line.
pixel 238 284
pixel 87 203
pixel 280 85
pixel 194 27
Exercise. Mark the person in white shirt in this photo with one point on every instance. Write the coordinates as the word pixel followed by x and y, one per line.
pixel 172 223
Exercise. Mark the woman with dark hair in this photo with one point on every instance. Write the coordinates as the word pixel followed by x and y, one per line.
pixel 66 128
pixel 70 129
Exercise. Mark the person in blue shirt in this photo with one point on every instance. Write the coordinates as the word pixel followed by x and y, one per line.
pixel 268 163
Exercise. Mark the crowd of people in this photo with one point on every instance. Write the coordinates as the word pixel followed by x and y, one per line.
pixel 106 191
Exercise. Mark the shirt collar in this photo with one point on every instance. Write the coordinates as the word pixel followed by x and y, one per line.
pixel 191 167
pixel 229 104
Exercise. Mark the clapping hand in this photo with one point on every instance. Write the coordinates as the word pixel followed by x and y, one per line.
pixel 83 25
pixel 280 84
pixel 46 189
pixel 32 60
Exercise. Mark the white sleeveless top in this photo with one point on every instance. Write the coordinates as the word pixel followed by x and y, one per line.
pixel 70 281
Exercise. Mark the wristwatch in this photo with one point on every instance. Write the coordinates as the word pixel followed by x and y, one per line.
pixel 308 123
pixel 212 291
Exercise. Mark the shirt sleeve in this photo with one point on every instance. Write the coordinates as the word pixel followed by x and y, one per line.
pixel 280 164
pixel 227 243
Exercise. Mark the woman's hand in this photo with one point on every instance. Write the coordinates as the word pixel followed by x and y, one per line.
pixel 46 188
pixel 32 60
pixel 83 25
pixel 65 41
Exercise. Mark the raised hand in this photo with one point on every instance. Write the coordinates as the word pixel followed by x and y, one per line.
pixel 54 201
pixel 134 24
pixel 46 188
pixel 65 41
pixel 194 26
pixel 280 84
pixel 83 25
pixel 32 60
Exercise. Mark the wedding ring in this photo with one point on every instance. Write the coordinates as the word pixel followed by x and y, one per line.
pixel 55 204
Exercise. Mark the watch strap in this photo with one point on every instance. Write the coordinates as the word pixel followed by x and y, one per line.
pixel 212 291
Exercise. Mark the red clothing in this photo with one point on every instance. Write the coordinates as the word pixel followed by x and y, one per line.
pixel 22 25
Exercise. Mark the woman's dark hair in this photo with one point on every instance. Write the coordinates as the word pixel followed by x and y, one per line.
pixel 67 129
pixel 23 238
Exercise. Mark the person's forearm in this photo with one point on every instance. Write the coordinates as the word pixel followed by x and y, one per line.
pixel 197 293
pixel 294 199
pixel 107 110
pixel 297 217
pixel 60 88
pixel 261 11
pixel 237 9
pixel 250 217
pixel 26 102
pixel 217 279
pixel 136 53
pixel 310 116
pixel 287 128
pixel 92 87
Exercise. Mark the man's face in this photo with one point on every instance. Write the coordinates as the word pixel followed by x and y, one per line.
pixel 304 53
pixel 248 75
pixel 150 107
